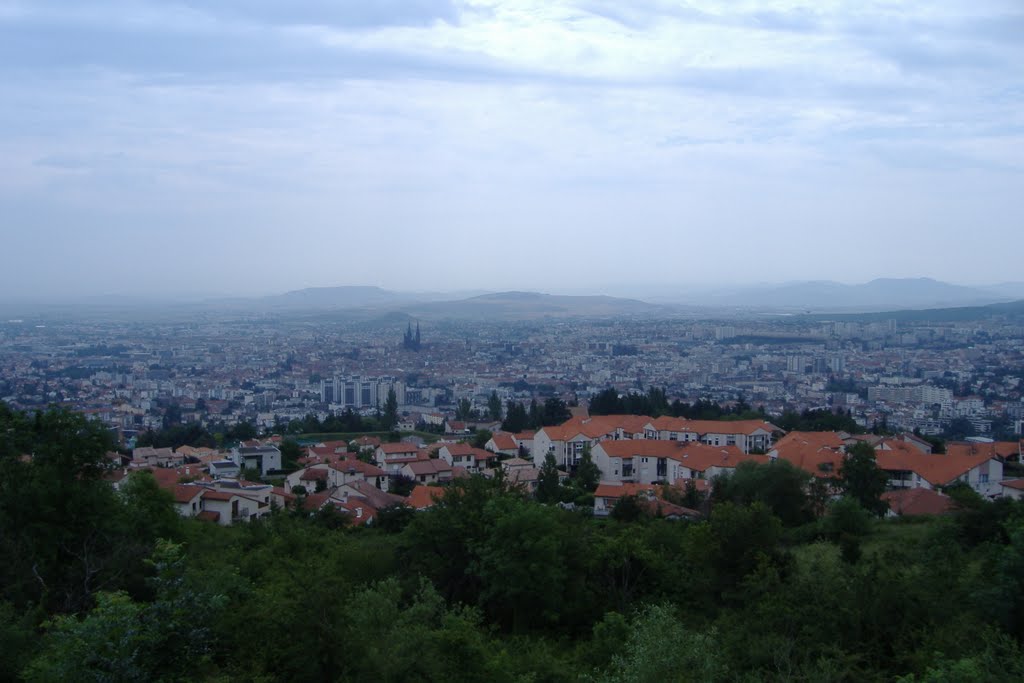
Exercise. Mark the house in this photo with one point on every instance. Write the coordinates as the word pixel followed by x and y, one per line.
pixel 337 472
pixel 188 499
pixel 747 435
pixel 525 441
pixel 1013 488
pixel 263 459
pixel 646 461
pixel 365 491
pixel 502 443
pixel 464 455
pixel 568 440
pixel 820 453
pixel 608 495
pixel 521 472
pixel 429 471
pixel 391 457
pixel 365 444
pixel 424 497
pixel 919 501
pixel 147 456
pixel 456 427
pixel 229 507
pixel 909 468
pixel 906 464
pixel 224 468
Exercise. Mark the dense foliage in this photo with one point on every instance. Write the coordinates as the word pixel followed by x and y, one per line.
pixel 491 585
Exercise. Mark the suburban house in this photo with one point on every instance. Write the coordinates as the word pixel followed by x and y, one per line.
pixel 568 440
pixel 911 502
pixel 337 473
pixel 424 497
pixel 147 456
pixel 429 471
pixel 263 459
pixel 525 441
pixel 820 453
pixel 1013 488
pixel 464 455
pixel 645 461
pixel 909 468
pixel 907 464
pixel 502 443
pixel 521 472
pixel 747 435
pixel 608 495
pixel 391 457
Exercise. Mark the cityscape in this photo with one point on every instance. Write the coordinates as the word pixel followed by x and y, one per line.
pixel 511 341
pixel 920 375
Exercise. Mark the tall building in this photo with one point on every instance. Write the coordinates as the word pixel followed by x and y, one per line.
pixel 360 392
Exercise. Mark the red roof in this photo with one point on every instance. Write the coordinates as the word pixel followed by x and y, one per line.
pixel 918 501
pixel 504 442
pixel 393 448
pixel 423 497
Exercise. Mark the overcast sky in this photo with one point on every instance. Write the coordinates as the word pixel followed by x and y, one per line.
pixel 257 146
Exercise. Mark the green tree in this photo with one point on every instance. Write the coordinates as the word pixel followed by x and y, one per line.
pixel 548 481
pixel 480 438
pixel 779 485
pixel 861 478
pixel 587 475
pixel 464 410
pixel 516 417
pixel 494 407
pixel 291 451
pixel 555 412
pixel 661 648
pixel 389 418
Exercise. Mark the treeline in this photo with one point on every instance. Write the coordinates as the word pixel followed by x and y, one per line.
pixel 491 585
pixel 218 435
pixel 655 403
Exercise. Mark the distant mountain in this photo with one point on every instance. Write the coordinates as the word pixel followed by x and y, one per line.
pixel 334 297
pixel 880 294
pixel 1012 310
pixel 529 305
pixel 1011 289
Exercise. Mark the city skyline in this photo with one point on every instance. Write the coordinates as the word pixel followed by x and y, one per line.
pixel 158 149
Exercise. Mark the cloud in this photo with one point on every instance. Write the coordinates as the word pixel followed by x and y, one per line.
pixel 434 126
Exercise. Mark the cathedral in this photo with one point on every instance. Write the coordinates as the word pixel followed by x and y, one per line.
pixel 411 342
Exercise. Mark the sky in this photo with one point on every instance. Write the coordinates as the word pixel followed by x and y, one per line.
pixel 247 147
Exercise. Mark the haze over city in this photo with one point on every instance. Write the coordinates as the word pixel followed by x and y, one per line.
pixel 247 148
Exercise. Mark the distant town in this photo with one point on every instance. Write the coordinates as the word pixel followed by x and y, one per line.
pixel 953 378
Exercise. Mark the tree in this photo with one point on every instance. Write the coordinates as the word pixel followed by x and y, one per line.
pixel 464 410
pixel 494 407
pixel 588 474
pixel 389 418
pixel 291 451
pixel 555 412
pixel 548 481
pixel 481 437
pixel 779 485
pixel 516 417
pixel 628 509
pixel 536 421
pixel 861 478
pixel 606 402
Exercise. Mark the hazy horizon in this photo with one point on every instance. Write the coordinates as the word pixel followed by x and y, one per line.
pixel 170 149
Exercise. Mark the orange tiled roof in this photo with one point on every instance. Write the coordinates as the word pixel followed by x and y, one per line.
pixel 918 501
pixel 423 497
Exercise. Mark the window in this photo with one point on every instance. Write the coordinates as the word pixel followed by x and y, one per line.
pixel 982 478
